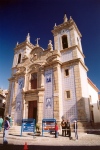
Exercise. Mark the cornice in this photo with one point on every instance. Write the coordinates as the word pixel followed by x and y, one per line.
pixel 72 48
pixel 19 74
pixel 73 62
pixel 85 67
pixel 34 91
pixel 14 68
pixel 65 25
pixel 11 79
pixel 23 44
pixel 60 27
pixel 52 63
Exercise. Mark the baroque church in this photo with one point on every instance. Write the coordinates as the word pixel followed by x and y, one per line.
pixel 50 83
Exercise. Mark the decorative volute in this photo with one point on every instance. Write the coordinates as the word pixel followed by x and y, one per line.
pixel 65 18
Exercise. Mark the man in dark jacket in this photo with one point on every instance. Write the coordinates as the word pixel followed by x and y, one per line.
pixel 68 129
pixel 63 127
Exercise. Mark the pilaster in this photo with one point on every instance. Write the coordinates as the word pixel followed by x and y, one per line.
pixel 40 107
pixel 57 92
pixel 80 100
pixel 42 78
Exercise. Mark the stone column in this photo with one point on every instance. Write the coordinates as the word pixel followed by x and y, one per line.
pixel 6 108
pixel 42 78
pixel 40 107
pixel 8 99
pixel 13 103
pixel 26 84
pixel 29 81
pixel 26 109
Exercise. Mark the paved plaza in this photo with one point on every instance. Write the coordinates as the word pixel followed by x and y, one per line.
pixel 50 140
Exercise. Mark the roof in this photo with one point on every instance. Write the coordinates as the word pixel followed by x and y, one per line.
pixel 93 85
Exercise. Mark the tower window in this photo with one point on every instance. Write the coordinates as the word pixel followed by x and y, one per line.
pixel 68 95
pixel 64 41
pixel 66 72
pixel 19 58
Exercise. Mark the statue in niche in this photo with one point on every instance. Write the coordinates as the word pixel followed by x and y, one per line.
pixel 33 57
pixel 50 45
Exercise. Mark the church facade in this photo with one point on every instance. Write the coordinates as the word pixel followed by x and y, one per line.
pixel 50 83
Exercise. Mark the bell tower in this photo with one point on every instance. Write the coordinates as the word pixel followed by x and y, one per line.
pixel 67 40
pixel 66 35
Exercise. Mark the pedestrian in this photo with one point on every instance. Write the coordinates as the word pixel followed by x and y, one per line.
pixel 56 130
pixel 6 128
pixel 75 130
pixel 68 129
pixel 10 120
pixel 1 123
pixel 63 125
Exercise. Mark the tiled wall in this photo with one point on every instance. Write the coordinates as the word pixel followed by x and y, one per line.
pixel 69 106
pixel 18 107
pixel 11 96
pixel 48 98
pixel 66 56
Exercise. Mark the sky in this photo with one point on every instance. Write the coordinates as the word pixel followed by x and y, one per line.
pixel 38 17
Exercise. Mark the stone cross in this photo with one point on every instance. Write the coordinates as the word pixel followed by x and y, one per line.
pixel 37 40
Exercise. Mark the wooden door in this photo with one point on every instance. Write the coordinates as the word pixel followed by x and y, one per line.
pixel 32 109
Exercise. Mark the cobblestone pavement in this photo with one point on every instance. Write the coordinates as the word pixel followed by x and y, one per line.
pixel 84 140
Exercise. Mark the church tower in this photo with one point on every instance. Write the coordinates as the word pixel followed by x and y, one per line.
pixel 67 40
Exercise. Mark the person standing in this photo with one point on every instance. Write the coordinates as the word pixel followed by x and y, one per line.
pixel 1 123
pixel 75 130
pixel 68 129
pixel 63 125
pixel 6 128
pixel 56 130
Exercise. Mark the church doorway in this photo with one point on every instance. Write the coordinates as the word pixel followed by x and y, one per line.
pixel 32 110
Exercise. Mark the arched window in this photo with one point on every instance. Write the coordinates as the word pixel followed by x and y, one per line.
pixel 34 81
pixel 64 41
pixel 19 58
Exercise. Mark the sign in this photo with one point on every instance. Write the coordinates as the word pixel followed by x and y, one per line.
pixel 48 125
pixel 28 125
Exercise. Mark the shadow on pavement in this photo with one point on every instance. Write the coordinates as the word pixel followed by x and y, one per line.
pixel 94 132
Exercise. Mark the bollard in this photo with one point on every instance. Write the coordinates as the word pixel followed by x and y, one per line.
pixel 25 146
